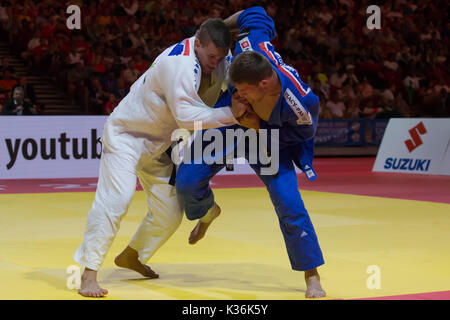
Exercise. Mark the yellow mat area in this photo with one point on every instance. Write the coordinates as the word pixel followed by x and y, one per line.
pixel 243 255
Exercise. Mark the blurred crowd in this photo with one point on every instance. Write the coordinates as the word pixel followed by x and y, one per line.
pixel 400 70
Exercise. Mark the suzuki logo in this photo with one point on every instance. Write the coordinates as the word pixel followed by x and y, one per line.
pixel 415 133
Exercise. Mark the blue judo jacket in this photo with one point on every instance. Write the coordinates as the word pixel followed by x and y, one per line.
pixel 297 110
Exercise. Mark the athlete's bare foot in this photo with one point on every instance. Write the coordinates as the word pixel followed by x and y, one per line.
pixel 89 286
pixel 203 225
pixel 313 287
pixel 129 258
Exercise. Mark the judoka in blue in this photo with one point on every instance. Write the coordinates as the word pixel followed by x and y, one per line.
pixel 295 116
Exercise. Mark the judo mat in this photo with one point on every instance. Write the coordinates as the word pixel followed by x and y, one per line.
pixel 383 236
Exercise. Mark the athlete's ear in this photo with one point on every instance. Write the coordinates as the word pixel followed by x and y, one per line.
pixel 197 43
pixel 264 84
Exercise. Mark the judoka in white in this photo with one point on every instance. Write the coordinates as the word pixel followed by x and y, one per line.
pixel 179 88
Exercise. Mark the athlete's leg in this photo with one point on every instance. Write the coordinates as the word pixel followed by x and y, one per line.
pixel 299 235
pixel 196 170
pixel 162 220
pixel 115 189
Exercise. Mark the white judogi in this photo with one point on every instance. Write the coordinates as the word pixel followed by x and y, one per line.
pixel 135 138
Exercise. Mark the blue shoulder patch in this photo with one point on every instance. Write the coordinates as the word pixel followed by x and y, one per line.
pixel 178 49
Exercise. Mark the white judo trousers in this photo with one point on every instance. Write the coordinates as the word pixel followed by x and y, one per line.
pixel 115 190
pixel 135 138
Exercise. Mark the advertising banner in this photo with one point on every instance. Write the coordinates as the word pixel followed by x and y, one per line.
pixel 350 132
pixel 415 145
pixel 50 146
pixel 46 147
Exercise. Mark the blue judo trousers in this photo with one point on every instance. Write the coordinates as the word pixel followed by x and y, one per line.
pixel 192 184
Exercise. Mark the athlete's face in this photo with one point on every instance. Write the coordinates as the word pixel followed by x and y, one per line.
pixel 209 56
pixel 249 119
pixel 252 93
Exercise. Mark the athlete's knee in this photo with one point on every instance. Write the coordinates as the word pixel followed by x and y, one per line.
pixel 113 204
pixel 183 187
pixel 295 223
pixel 174 220
pixel 187 187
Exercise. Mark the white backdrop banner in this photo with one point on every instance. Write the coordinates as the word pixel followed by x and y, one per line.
pixel 50 146
pixel 415 145
pixel 38 147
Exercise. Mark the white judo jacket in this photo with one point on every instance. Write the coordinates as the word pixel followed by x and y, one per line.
pixel 164 99
pixel 135 138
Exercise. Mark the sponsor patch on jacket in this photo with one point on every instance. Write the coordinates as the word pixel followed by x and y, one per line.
pixel 245 44
pixel 303 115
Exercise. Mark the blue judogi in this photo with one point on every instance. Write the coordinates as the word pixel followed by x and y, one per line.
pixel 295 116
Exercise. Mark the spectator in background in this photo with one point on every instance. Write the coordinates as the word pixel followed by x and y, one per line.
pixel 76 78
pixel 7 81
pixel 441 56
pixel 412 80
pixel 139 63
pixel 199 17
pixel 40 54
pixel 81 45
pixel 32 43
pixel 412 85
pixel 352 110
pixel 48 29
pixel 4 18
pixel 109 82
pixel 324 14
pixel 388 93
pixel 98 64
pixel 403 57
pixel 74 57
pixel 347 92
pixel 325 112
pixel 432 97
pixel 336 106
pixel 54 59
pixel 111 104
pixel 365 89
pixel 293 43
pixel 318 72
pixel 125 57
pixel 388 110
pixel 351 74
pixel 371 108
pixel 338 78
pixel 390 63
pixel 320 90
pixel 328 32
pixel 130 7
pixel 97 97
pixel 6 66
pixel 17 106
pixel 401 105
pixel 122 88
pixel 130 74
pixel 29 93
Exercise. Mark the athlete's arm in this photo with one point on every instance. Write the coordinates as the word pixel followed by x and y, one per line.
pixel 231 21
pixel 178 85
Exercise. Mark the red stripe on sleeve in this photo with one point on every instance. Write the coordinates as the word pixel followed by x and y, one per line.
pixel 285 72
pixel 186 48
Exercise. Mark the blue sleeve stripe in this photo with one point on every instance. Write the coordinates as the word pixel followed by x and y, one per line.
pixel 178 49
